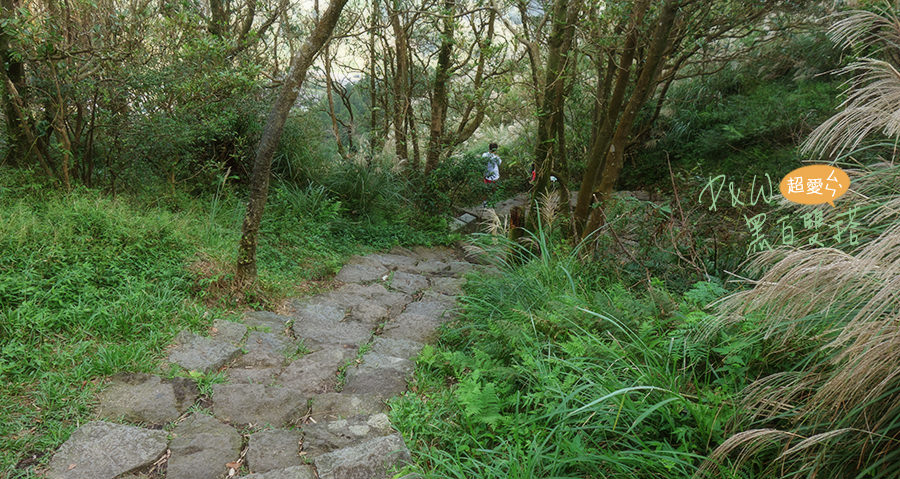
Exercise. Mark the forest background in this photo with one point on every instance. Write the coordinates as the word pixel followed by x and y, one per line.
pixel 626 334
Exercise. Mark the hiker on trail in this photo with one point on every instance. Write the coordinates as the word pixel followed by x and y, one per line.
pixel 492 168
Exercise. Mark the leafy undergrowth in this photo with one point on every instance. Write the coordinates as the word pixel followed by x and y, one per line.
pixel 552 371
pixel 92 286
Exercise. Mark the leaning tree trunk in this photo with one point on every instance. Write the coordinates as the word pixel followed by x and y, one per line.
pixel 439 95
pixel 271 136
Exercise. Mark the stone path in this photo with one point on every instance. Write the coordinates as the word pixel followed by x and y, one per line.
pixel 305 392
pixel 470 218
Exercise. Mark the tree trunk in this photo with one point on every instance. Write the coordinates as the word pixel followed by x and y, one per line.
pixel 439 95
pixel 330 96
pixel 373 107
pixel 607 115
pixel 245 272
pixel 400 86
pixel 611 166
pixel 550 114
pixel 15 72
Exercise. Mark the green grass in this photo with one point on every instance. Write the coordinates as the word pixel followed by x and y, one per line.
pixel 91 286
pixel 553 371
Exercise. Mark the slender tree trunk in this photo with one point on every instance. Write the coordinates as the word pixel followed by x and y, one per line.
pixel 245 272
pixel 439 91
pixel 551 113
pixel 415 163
pixel 330 96
pixel 401 101
pixel 645 85
pixel 373 94
pixel 607 116
pixel 14 70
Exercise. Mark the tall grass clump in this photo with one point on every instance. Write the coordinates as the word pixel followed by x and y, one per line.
pixel 835 413
pixel 89 286
pixel 553 371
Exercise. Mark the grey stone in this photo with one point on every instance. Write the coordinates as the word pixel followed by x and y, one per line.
pixel 320 311
pixel 274 449
pixel 458 268
pixel 448 286
pixel 428 308
pixel 294 472
pixel 195 352
pixel 401 348
pixel 446 300
pixel 316 372
pixel 394 261
pixel 201 446
pixel 266 350
pixel 430 267
pixel 368 460
pixel 266 321
pixel 256 404
pixel 408 282
pixel 146 399
pixel 467 218
pixel 381 383
pixel 361 273
pixel 413 327
pixel 324 437
pixel 456 224
pixel 318 334
pixel 253 375
pixel 352 294
pixel 101 450
pixel 369 312
pixel 228 330
pixel 438 253
pixel 374 360
pixel 330 406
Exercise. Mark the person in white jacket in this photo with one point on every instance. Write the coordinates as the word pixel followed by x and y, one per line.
pixel 492 168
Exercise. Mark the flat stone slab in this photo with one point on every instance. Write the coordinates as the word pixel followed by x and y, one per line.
pixel 370 459
pixel 408 282
pixel 256 404
pixel 316 372
pixel 266 350
pixel 400 348
pixel 431 267
pixel 331 406
pixel 458 268
pixel 412 327
pixel 324 437
pixel 266 321
pixel 319 334
pixel 351 295
pixel 435 310
pixel 369 312
pixel 197 353
pixel 383 378
pixel 103 450
pixel 201 446
pixel 143 398
pixel 253 375
pixel 439 253
pixel 361 273
pixel 393 261
pixel 274 449
pixel 448 286
pixel 294 472
pixel 375 360
pixel 228 330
